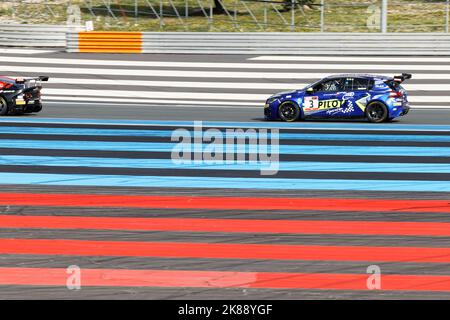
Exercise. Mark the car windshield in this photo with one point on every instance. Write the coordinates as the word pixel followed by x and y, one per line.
pixel 311 85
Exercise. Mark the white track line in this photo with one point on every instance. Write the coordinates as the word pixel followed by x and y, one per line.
pixel 164 104
pixel 175 103
pixel 23 51
pixel 434 60
pixel 221 85
pixel 50 97
pixel 156 94
pixel 16 69
pixel 228 65
pixel 181 84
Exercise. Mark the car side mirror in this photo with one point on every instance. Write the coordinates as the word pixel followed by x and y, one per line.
pixel 310 90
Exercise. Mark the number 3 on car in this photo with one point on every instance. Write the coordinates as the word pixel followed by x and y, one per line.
pixel 311 102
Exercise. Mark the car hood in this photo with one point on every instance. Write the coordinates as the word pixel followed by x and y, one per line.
pixel 284 93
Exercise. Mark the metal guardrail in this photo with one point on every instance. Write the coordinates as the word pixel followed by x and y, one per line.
pixel 263 43
pixel 26 35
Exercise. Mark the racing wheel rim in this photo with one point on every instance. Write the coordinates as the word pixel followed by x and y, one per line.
pixel 376 112
pixel 288 112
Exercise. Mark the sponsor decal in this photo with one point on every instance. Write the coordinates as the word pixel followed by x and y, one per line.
pixel 348 95
pixel 348 109
pixel 313 104
pixel 362 103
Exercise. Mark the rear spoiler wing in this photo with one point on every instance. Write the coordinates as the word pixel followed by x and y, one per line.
pixel 24 80
pixel 403 77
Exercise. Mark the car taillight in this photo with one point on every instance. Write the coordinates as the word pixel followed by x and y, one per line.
pixel 4 85
pixel 395 94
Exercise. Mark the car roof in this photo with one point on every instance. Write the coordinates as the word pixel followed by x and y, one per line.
pixel 358 75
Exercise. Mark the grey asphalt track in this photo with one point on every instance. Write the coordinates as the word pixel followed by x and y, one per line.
pixel 192 112
pixel 161 111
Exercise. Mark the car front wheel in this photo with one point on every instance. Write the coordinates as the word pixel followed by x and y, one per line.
pixel 288 111
pixel 376 112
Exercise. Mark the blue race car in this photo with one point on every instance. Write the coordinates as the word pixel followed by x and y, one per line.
pixel 376 98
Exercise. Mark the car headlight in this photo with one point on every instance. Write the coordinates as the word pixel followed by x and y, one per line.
pixel 271 100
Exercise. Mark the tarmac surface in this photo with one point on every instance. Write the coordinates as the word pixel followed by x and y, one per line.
pixel 92 184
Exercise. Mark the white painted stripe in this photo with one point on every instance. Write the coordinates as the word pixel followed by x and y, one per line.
pixel 221 85
pixel 50 97
pixel 178 103
pixel 412 59
pixel 23 51
pixel 430 107
pixel 155 94
pixel 166 105
pixel 181 84
pixel 419 99
pixel 226 65
pixel 191 74
pixel 193 95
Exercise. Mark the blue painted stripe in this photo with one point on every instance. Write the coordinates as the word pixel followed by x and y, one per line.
pixel 228 183
pixel 283 149
pixel 262 124
pixel 168 133
pixel 169 164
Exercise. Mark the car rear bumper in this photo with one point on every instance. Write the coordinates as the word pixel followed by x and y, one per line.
pixel 21 106
pixel 405 109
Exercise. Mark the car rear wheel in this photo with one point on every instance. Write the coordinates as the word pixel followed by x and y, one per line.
pixel 376 112
pixel 3 107
pixel 288 111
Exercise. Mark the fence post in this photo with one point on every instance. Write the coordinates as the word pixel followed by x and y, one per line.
pixel 265 16
pixel 235 11
pixel 322 15
pixel 211 13
pixel 136 12
pixel 447 15
pixel 161 14
pixel 384 9
pixel 293 15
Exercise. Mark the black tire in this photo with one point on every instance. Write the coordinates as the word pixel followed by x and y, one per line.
pixel 37 106
pixel 3 107
pixel 288 111
pixel 377 112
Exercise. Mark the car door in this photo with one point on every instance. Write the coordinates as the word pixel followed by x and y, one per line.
pixel 326 95
pixel 356 96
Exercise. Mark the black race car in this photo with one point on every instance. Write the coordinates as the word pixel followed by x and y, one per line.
pixel 21 95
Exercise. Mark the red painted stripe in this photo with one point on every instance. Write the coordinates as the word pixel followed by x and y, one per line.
pixel 219 279
pixel 223 251
pixel 229 225
pixel 225 203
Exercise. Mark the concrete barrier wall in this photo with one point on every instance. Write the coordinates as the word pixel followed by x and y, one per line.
pixel 27 35
pixel 260 43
